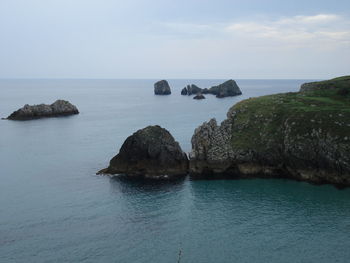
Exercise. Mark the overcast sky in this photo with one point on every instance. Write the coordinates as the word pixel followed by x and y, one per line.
pixel 174 39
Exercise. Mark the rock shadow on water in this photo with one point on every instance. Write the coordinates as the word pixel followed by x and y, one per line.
pixel 124 183
pixel 282 178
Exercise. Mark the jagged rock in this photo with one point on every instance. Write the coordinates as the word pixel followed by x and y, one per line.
pixel 56 109
pixel 162 88
pixel 226 89
pixel 199 96
pixel 293 135
pixel 151 152
pixel 191 89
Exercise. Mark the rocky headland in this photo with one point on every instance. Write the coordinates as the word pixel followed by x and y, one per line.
pixel 56 109
pixel 303 135
pixel 227 89
pixel 152 153
pixel 162 88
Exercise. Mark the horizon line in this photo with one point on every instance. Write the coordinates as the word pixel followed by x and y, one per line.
pixel 160 78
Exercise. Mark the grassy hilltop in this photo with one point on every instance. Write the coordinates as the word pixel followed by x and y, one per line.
pixel 323 106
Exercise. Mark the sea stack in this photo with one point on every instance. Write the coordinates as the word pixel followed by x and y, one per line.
pixel 151 153
pixel 162 88
pixel 56 109
pixel 190 90
pixel 227 89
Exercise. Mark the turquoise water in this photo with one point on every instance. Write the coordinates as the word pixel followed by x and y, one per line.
pixel 53 208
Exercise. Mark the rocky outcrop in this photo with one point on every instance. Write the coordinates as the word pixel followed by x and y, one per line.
pixel 227 89
pixel 56 109
pixel 152 153
pixel 199 96
pixel 304 136
pixel 191 89
pixel 184 91
pixel 162 88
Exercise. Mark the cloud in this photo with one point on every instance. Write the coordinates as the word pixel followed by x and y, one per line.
pixel 302 30
pixel 316 19
pixel 299 46
pixel 321 30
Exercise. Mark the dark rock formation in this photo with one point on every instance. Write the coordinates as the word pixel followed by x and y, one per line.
pixel 199 96
pixel 151 152
pixel 190 90
pixel 227 89
pixel 56 109
pixel 162 88
pixel 304 136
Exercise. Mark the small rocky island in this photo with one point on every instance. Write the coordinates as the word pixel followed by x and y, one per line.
pixel 190 90
pixel 152 153
pixel 199 96
pixel 303 135
pixel 56 109
pixel 227 89
pixel 162 88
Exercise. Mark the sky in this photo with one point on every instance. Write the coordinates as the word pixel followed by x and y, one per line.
pixel 188 39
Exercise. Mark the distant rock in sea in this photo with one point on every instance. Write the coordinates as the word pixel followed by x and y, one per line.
pixel 151 152
pixel 56 109
pixel 227 89
pixel 162 88
pixel 199 96
pixel 190 90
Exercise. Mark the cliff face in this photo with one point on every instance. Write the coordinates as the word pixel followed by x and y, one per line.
pixel 304 135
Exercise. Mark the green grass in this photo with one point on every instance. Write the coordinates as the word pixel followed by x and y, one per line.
pixel 262 122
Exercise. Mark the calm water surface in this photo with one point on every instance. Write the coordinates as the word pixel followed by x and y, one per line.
pixel 53 208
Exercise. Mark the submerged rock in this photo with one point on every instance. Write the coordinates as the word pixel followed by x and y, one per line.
pixel 151 152
pixel 303 135
pixel 199 96
pixel 56 109
pixel 162 88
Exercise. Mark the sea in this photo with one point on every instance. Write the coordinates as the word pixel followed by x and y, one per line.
pixel 54 208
